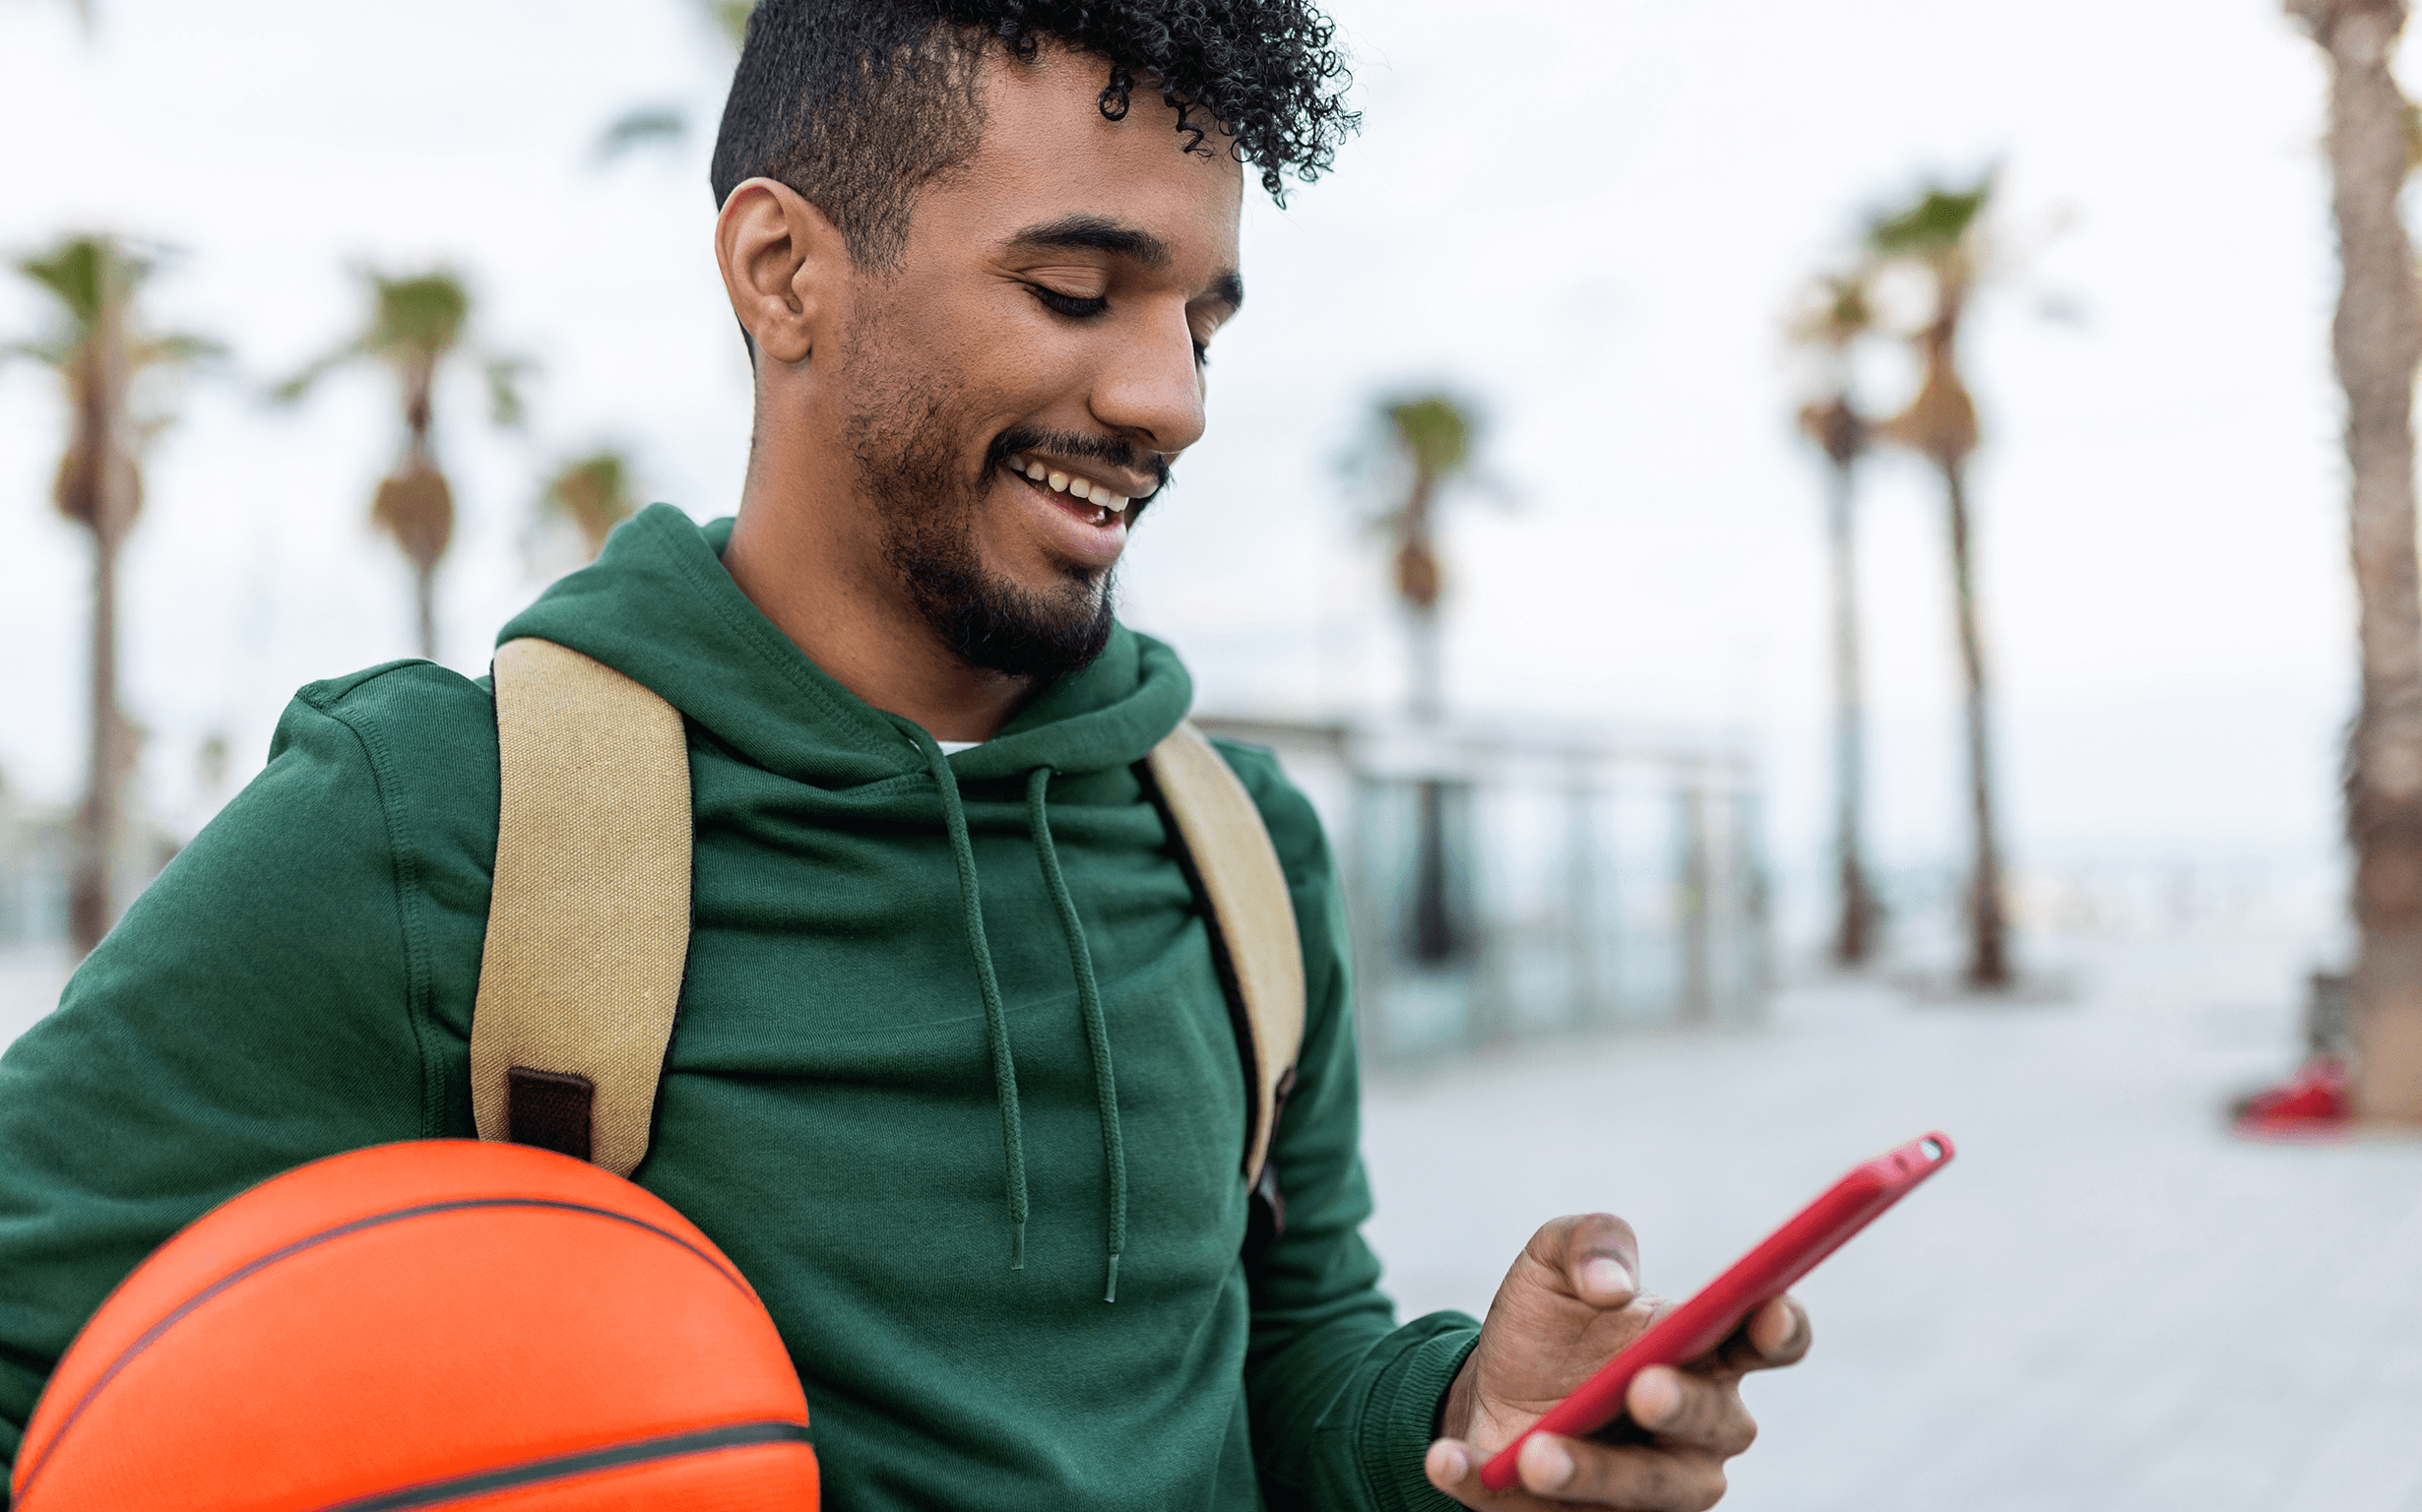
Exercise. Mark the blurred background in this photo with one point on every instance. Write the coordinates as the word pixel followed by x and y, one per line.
pixel 1564 411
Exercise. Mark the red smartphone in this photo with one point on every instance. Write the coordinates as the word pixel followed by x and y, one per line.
pixel 1765 1272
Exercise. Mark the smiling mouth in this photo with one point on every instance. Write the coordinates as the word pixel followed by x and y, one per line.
pixel 1075 492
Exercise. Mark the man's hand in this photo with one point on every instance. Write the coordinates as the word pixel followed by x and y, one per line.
pixel 1570 1303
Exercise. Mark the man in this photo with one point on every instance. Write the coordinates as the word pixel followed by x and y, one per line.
pixel 954 1082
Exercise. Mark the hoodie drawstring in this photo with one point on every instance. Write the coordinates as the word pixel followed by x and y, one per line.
pixel 1097 1028
pixel 995 1020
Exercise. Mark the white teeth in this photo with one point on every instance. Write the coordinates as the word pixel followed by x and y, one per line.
pixel 1098 494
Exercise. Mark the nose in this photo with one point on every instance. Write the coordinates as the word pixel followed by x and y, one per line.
pixel 1152 391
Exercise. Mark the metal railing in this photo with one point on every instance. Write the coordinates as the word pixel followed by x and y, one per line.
pixel 34 861
pixel 1506 885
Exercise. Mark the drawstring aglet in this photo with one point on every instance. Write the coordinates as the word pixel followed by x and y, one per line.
pixel 1112 1295
pixel 1017 1244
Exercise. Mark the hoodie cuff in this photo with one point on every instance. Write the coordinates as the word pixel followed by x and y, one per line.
pixel 1401 1417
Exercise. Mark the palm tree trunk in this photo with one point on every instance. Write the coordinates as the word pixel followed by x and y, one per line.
pixel 1423 678
pixel 1988 952
pixel 90 906
pixel 425 601
pixel 1854 934
pixel 423 538
pixel 2377 340
pixel 1436 934
pixel 99 821
pixel 1437 940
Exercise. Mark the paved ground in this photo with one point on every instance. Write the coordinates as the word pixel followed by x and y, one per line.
pixel 2107 1303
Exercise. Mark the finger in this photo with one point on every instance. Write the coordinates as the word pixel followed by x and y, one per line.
pixel 1697 1411
pixel 1454 1469
pixel 1641 1480
pixel 1776 1334
pixel 1595 1253
pixel 1780 1332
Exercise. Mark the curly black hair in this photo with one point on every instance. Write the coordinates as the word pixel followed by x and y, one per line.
pixel 857 103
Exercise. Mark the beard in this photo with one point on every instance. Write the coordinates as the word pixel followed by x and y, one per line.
pixel 929 508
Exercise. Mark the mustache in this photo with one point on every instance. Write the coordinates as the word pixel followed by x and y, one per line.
pixel 1067 443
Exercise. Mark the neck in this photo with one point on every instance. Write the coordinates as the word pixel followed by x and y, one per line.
pixel 806 552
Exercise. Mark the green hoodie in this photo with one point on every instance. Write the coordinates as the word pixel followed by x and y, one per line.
pixel 906 1062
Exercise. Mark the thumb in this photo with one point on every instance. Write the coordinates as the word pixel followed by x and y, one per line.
pixel 1595 1256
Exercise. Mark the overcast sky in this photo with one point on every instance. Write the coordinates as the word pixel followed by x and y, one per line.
pixel 1590 215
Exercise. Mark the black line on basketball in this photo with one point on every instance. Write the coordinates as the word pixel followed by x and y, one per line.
pixel 562 1467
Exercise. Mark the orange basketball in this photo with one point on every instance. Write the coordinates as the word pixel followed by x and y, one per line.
pixel 441 1324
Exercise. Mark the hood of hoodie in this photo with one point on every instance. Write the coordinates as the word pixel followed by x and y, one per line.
pixel 658 606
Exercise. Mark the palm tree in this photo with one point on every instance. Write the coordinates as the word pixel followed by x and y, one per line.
pixel 418 324
pixel 99 349
pixel 594 492
pixel 1432 436
pixel 2377 340
pixel 1942 234
pixel 1839 317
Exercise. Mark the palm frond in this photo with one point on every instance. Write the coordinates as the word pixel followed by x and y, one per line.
pixel 53 353
pixel 731 18
pixel 1937 221
pixel 1838 311
pixel 293 390
pixel 85 272
pixel 504 394
pixel 177 349
pixel 1435 431
pixel 643 127
pixel 419 316
pixel 594 493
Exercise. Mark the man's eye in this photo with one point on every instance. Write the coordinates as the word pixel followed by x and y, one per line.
pixel 1202 355
pixel 1068 304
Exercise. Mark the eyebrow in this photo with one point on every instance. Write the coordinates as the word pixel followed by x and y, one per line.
pixel 1094 233
pixel 1100 233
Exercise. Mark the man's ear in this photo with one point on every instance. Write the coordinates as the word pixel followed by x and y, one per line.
pixel 784 264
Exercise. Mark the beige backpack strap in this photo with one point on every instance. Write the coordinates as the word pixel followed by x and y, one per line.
pixel 1254 936
pixel 588 928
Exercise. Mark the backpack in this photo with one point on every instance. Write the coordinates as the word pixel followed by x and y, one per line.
pixel 588 925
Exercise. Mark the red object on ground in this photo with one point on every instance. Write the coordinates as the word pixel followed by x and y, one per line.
pixel 444 1323
pixel 2311 1102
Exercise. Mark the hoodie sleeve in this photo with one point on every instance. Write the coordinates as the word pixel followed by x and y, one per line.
pixel 1344 1401
pixel 262 1004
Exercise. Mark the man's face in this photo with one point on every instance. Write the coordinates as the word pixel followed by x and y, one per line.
pixel 1018 385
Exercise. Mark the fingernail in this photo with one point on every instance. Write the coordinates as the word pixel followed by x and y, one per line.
pixel 1604 1275
pixel 1794 1320
pixel 1549 1466
pixel 1654 1396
